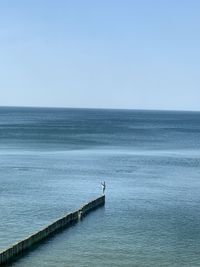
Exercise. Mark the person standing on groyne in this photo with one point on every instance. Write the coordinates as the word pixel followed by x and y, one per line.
pixel 103 185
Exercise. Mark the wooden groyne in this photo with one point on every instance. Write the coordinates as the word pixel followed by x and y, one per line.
pixel 19 248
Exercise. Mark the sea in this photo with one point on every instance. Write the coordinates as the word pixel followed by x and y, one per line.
pixel 53 160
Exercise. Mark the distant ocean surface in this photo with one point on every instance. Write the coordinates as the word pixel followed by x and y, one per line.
pixel 53 160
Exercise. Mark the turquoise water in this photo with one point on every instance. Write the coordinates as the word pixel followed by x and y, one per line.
pixel 53 160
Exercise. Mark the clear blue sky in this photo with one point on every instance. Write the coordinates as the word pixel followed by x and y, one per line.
pixel 140 54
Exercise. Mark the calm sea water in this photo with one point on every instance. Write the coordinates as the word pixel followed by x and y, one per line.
pixel 53 160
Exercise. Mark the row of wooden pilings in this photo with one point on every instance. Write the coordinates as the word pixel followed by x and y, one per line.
pixel 19 248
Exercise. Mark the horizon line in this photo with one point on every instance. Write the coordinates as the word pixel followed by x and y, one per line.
pixel 99 108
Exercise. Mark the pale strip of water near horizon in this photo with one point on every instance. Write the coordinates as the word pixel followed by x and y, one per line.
pixel 53 160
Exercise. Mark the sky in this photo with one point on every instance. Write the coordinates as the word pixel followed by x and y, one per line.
pixel 132 54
